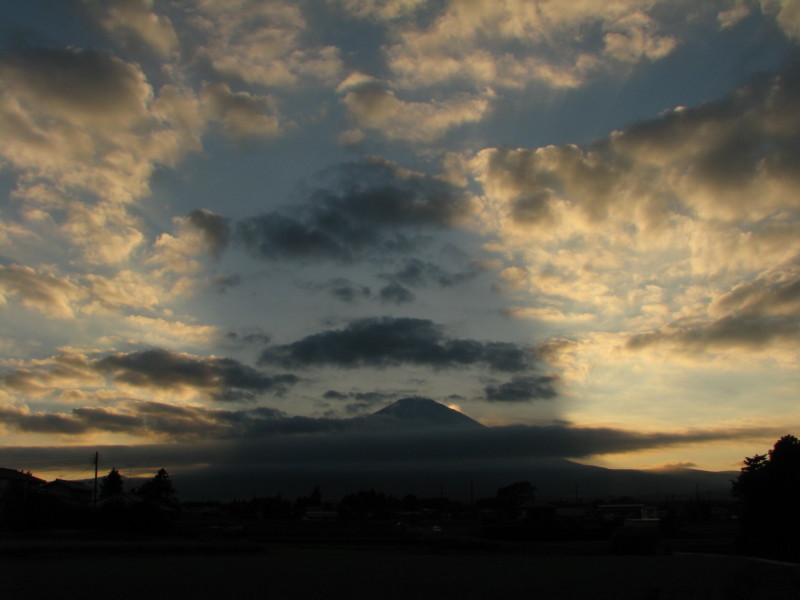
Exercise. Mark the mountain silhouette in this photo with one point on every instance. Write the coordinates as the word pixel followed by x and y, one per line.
pixel 423 412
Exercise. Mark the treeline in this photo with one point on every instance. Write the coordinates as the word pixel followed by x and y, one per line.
pixel 367 504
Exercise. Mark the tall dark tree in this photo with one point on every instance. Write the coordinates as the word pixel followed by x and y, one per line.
pixel 159 488
pixel 769 488
pixel 111 484
pixel 511 497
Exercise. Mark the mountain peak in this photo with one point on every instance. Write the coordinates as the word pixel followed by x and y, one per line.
pixel 424 411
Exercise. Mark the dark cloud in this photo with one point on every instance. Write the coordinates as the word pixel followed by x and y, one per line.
pixel 419 273
pixel 215 229
pixel 386 342
pixel 744 331
pixel 221 283
pixel 751 315
pixel 774 292
pixel 179 422
pixel 345 290
pixel 264 444
pixel 41 422
pixel 362 207
pixel 276 236
pixel 359 403
pixel 73 81
pixel 523 389
pixel 267 434
pixel 708 161
pixel 22 381
pixel 252 338
pixel 370 397
pixel 243 116
pixel 103 419
pixel 395 293
pixel 224 378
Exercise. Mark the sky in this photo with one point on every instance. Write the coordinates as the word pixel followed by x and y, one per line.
pixel 236 224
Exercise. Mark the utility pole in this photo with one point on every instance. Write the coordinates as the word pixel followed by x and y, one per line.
pixel 96 465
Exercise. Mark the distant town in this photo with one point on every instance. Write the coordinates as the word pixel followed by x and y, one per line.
pixel 513 514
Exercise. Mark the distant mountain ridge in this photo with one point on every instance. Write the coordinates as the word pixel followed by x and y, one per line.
pixel 423 412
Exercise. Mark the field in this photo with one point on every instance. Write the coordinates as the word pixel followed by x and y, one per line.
pixel 142 572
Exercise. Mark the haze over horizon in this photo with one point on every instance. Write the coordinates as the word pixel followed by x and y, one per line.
pixel 229 226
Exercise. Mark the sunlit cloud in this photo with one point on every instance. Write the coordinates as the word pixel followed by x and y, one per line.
pixel 46 293
pixel 157 331
pixel 604 216
pixel 199 234
pixel 242 115
pixel 376 107
pixel 514 44
pixel 261 43
pixel 136 22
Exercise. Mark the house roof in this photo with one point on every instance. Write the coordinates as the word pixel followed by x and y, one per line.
pixel 77 486
pixel 14 475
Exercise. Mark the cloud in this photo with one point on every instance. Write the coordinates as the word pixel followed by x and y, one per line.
pixel 41 422
pixel 753 315
pixel 367 207
pixel 50 295
pixel 64 371
pixel 775 292
pixel 346 291
pixel 739 331
pixel 359 403
pixel 418 273
pixel 379 10
pixel 155 371
pixel 395 293
pixel 140 419
pixel 268 437
pixel 388 342
pixel 593 228
pixel 201 232
pixel 247 339
pixel 153 330
pixel 514 44
pixel 265 439
pixel 126 289
pixel 103 419
pixel 375 107
pixel 88 87
pixel 243 115
pixel 260 43
pixel 785 12
pixel 221 378
pixel 85 130
pixel 523 389
pixel 546 313
pixel 134 22
pixel 169 422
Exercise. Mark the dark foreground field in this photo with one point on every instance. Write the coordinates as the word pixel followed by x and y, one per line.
pixel 320 572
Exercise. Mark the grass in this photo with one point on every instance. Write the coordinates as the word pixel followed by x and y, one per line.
pixel 327 571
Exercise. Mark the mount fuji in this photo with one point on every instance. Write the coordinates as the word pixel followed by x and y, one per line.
pixel 422 412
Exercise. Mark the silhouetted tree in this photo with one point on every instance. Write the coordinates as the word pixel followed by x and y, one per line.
pixel 769 488
pixel 303 502
pixel 409 502
pixel 511 497
pixel 159 488
pixel 111 485
pixel 367 504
